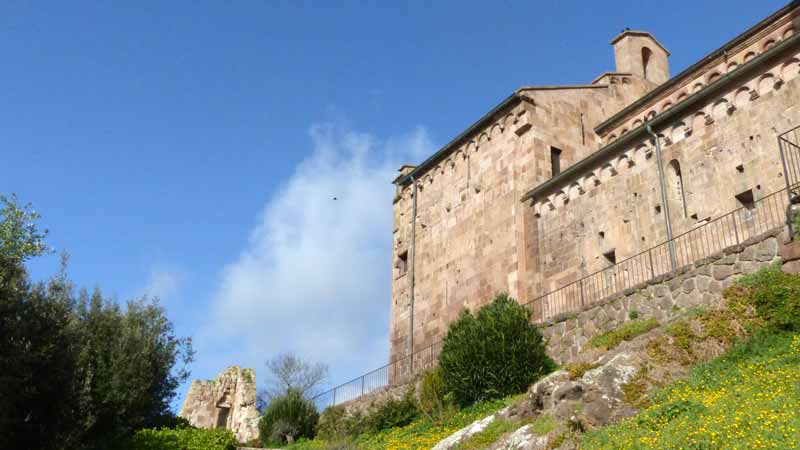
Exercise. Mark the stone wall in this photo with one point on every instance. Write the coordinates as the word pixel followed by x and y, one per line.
pixel 712 166
pixel 227 401
pixel 475 239
pixel 470 239
pixel 665 297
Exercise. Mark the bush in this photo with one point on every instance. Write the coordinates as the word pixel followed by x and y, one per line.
pixel 434 402
pixel 775 295
pixel 494 354
pixel 335 424
pixel 332 424
pixel 181 439
pixel 288 418
pixel 392 413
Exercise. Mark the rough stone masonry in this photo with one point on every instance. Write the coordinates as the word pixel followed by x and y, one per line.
pixel 558 182
pixel 227 401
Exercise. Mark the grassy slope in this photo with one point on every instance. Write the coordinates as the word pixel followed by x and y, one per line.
pixel 421 434
pixel 746 399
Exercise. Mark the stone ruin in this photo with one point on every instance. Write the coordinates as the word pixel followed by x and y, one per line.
pixel 227 401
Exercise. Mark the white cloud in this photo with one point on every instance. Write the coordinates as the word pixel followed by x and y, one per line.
pixel 163 282
pixel 315 276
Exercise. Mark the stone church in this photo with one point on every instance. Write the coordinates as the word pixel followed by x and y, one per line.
pixel 563 194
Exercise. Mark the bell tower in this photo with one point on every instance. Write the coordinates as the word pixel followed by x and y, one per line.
pixel 639 53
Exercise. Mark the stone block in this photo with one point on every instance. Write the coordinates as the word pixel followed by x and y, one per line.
pixel 791 252
pixel 662 290
pixel 703 283
pixel 722 272
pixel 704 270
pixel 767 250
pixel 688 285
pixel 792 266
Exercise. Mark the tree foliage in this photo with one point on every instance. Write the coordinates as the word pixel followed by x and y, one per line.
pixel 289 372
pixel 76 372
pixel 38 402
pixel 496 353
pixel 126 362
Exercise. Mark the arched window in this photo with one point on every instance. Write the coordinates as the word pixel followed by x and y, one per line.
pixel 675 185
pixel 646 53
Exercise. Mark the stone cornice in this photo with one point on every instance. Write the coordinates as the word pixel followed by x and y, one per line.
pixel 774 20
pixel 600 159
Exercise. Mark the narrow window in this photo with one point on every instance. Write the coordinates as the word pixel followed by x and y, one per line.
pixel 555 161
pixel 746 199
pixel 611 257
pixel 675 180
pixel 646 52
pixel 402 263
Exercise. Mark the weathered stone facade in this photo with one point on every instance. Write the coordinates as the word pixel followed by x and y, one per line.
pixel 665 297
pixel 558 182
pixel 227 401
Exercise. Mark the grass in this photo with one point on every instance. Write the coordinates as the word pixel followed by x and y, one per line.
pixel 421 434
pixel 543 425
pixel 624 332
pixel 746 399
pixel 682 332
pixel 576 370
pixel 540 426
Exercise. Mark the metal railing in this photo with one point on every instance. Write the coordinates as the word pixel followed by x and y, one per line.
pixel 707 239
pixel 390 374
pixel 789 144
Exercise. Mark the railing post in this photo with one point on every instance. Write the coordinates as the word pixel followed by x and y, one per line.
pixel 785 169
pixel 362 385
pixel 334 397
pixel 652 268
pixel 735 228
pixel 583 296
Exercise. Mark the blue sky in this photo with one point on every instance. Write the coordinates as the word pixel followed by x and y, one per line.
pixel 191 150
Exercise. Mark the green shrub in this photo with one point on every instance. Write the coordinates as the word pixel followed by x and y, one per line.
pixel 288 418
pixel 391 413
pixel 494 354
pixel 434 402
pixel 633 315
pixel 181 439
pixel 625 332
pixel 775 295
pixel 683 334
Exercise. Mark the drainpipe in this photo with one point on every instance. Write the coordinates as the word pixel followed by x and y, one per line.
pixel 411 275
pixel 673 258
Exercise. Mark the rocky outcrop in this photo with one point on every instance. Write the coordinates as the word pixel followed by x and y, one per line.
pixel 522 439
pixel 466 432
pixel 595 399
pixel 227 401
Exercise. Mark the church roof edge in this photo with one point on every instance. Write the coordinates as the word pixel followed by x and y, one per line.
pixel 652 95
